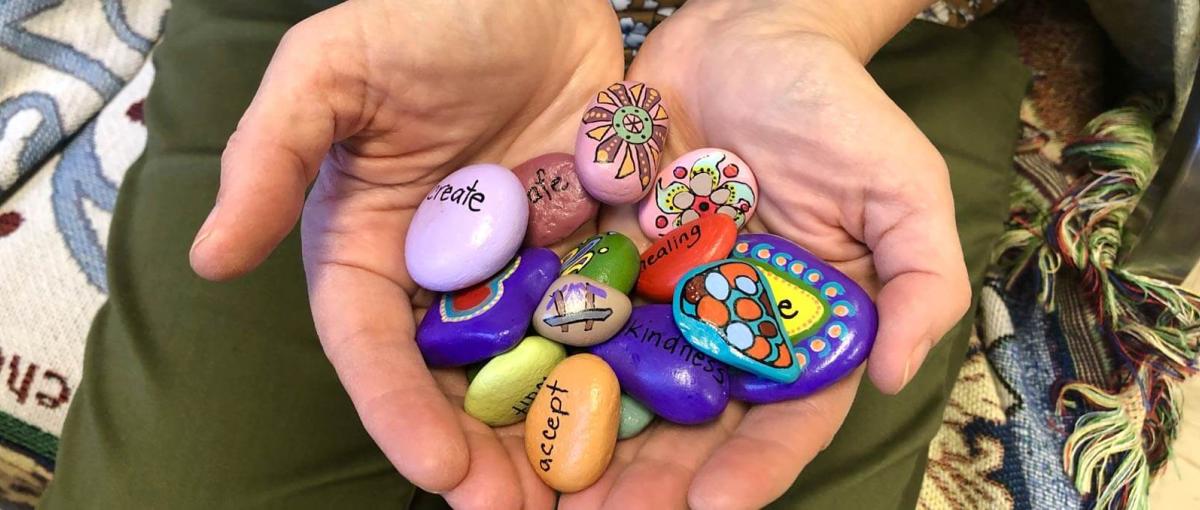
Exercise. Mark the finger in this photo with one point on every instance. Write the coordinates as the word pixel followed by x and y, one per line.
pixel 662 471
pixel 770 447
pixel 304 103
pixel 367 334
pixel 925 289
pixel 491 480
pixel 537 494
pixel 492 473
pixel 593 497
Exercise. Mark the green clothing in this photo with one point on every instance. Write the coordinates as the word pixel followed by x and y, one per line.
pixel 205 395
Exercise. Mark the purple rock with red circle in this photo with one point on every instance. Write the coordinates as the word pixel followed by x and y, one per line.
pixel 478 322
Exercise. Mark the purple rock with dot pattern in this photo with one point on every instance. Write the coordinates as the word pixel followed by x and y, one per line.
pixel 828 317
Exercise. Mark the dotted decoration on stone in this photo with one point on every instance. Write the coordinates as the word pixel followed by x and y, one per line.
pixel 733 299
pixel 819 340
pixel 706 188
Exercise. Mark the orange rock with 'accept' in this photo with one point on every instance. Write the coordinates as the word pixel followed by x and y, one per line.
pixel 571 428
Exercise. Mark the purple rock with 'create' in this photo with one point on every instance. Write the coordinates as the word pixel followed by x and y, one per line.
pixel 466 228
pixel 484 320
pixel 829 319
pixel 659 368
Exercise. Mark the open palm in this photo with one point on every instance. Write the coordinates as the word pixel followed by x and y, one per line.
pixel 371 103
pixel 844 173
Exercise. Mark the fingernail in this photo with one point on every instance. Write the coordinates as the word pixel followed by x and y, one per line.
pixel 206 228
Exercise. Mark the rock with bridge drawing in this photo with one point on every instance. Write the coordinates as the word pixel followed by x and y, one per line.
pixel 580 311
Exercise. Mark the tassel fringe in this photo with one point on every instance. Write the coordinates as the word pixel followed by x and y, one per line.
pixel 1152 326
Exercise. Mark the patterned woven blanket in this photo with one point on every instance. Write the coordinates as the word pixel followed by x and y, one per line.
pixel 73 74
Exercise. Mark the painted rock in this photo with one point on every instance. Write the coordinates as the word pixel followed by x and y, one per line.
pixel 634 418
pixel 726 310
pixel 502 391
pixel 580 311
pixel 698 184
pixel 669 258
pixel 609 258
pixel 479 322
pixel 659 368
pixel 620 142
pixel 830 319
pixel 467 228
pixel 557 202
pixel 572 425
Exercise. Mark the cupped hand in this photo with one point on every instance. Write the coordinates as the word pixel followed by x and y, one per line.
pixel 843 172
pixel 371 103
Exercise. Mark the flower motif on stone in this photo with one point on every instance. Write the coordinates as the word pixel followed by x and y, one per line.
pixel 710 186
pixel 628 121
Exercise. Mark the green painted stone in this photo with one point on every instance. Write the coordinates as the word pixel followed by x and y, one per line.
pixel 609 258
pixel 502 391
pixel 634 417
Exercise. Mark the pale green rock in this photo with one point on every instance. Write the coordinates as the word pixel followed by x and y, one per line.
pixel 501 392
pixel 634 417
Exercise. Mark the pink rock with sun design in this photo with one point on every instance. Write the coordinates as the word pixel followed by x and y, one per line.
pixel 697 184
pixel 620 142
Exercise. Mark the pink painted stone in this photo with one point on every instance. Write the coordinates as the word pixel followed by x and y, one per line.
pixel 557 202
pixel 699 183
pixel 620 142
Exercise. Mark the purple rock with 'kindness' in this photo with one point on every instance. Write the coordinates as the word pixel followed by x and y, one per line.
pixel 486 319
pixel 659 368
pixel 829 319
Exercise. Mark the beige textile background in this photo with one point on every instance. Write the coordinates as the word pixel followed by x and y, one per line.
pixel 1179 486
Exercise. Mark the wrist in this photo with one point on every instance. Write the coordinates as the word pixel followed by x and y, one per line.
pixel 860 26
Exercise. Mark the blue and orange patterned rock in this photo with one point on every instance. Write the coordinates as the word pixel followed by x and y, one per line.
pixel 725 309
pixel 489 318
pixel 829 319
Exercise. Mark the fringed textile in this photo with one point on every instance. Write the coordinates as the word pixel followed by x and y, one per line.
pixel 1151 326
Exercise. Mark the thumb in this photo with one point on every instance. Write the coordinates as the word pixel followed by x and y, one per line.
pixel 925 286
pixel 298 112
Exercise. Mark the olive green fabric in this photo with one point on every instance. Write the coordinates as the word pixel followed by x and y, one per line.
pixel 202 395
pixel 963 88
